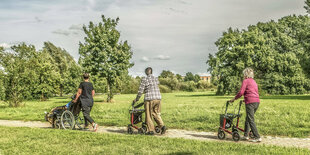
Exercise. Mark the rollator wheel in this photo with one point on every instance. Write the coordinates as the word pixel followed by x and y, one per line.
pixel 251 134
pixel 221 134
pixel 141 131
pixel 236 136
pixel 144 127
pixel 157 129
pixel 129 130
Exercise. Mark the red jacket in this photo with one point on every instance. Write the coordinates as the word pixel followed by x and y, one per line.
pixel 249 90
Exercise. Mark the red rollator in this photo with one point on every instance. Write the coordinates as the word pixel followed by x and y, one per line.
pixel 226 122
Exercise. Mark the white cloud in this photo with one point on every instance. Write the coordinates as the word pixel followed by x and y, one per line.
pixel 144 59
pixel 162 57
pixel 5 45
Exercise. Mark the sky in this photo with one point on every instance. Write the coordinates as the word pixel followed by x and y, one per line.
pixel 175 35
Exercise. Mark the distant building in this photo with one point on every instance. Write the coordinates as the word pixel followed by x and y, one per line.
pixel 206 78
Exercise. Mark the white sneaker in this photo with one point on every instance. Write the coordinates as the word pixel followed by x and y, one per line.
pixel 95 127
pixel 256 140
pixel 245 138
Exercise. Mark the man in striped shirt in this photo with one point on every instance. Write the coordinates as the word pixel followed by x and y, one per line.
pixel 152 101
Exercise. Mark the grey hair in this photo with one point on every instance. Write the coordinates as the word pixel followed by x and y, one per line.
pixel 248 72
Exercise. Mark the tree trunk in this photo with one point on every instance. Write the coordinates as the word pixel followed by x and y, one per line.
pixel 61 90
pixel 110 93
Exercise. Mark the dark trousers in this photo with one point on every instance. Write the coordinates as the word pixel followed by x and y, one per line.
pixel 249 121
pixel 86 113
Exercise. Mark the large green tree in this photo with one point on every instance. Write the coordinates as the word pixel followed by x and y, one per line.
pixel 68 69
pixel 47 76
pixel 103 54
pixel 27 74
pixel 18 76
pixel 273 49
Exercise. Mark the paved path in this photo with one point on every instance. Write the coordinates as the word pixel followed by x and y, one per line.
pixel 176 133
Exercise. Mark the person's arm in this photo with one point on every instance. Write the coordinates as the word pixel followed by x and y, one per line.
pixel 157 81
pixel 93 93
pixel 141 90
pixel 78 94
pixel 241 92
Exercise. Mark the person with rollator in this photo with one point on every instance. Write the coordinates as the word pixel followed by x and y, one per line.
pixel 249 90
pixel 152 101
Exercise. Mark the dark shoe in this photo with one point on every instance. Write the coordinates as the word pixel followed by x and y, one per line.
pixel 150 133
pixel 163 130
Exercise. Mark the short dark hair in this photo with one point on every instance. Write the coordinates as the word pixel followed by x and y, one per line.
pixel 86 76
pixel 148 71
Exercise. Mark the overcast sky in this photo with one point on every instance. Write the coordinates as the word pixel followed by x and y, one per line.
pixel 175 35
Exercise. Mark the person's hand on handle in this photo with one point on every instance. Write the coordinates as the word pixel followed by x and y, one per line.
pixel 134 101
pixel 232 100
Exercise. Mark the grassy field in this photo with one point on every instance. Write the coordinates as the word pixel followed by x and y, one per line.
pixel 277 115
pixel 52 141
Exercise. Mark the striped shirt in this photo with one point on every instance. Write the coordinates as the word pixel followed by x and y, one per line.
pixel 149 86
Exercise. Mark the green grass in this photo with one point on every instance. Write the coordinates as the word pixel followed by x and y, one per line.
pixel 53 141
pixel 277 115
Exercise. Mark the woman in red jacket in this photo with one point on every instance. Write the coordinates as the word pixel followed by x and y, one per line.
pixel 249 90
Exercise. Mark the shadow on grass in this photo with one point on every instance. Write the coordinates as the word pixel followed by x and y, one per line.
pixel 197 95
pixel 117 131
pixel 99 100
pixel 64 97
pixel 205 95
pixel 287 97
pixel 180 153
pixel 4 106
pixel 204 136
pixel 64 102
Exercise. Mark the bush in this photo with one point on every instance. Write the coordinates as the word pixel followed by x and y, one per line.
pixel 131 86
pixel 172 83
pixel 164 89
pixel 203 85
pixel 189 86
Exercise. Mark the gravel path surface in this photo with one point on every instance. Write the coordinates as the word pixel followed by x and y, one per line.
pixel 176 133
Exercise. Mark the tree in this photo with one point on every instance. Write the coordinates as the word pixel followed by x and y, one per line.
pixel 272 49
pixel 48 77
pixel 2 76
pixel 307 7
pixel 196 78
pixel 179 77
pixel 103 54
pixel 166 74
pixel 17 76
pixel 189 76
pixel 68 69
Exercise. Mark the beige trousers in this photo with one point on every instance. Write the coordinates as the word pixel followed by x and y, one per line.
pixel 152 109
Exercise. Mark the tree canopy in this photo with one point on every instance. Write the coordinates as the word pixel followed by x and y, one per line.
pixel 27 73
pixel 103 54
pixel 278 51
